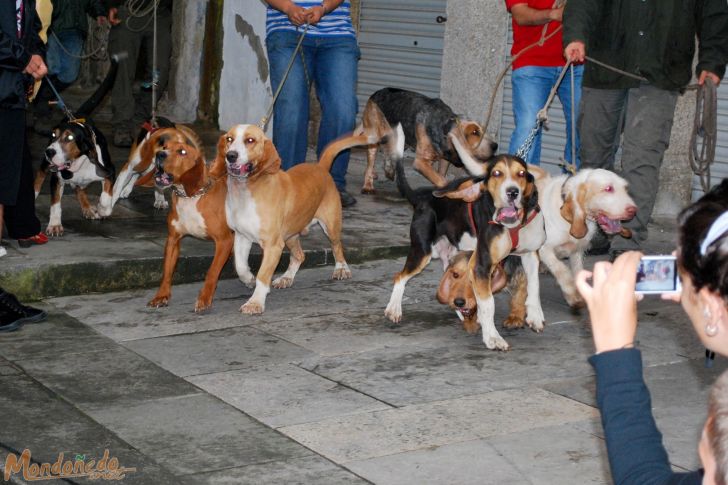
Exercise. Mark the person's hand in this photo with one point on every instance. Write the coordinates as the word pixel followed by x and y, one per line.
pixel 114 16
pixel 556 14
pixel 297 15
pixel 575 51
pixel 100 20
pixel 612 301
pixel 36 67
pixel 708 74
pixel 315 14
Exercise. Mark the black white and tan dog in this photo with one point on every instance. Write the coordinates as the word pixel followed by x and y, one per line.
pixel 139 167
pixel 78 156
pixel 428 124
pixel 271 207
pixel 493 215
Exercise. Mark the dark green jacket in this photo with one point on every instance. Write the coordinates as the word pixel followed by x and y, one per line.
pixel 71 14
pixel 651 38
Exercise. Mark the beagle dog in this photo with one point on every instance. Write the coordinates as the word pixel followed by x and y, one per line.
pixel 79 154
pixel 198 210
pixel 427 124
pixel 573 208
pixel 139 167
pixel 272 207
pixel 456 291
pixel 494 215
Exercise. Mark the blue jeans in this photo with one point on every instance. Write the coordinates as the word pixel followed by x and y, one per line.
pixel 65 67
pixel 331 66
pixel 531 88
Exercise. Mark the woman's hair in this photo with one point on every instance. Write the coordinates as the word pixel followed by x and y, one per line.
pixel 708 270
pixel 717 427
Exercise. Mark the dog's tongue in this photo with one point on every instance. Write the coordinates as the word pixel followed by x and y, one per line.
pixel 162 179
pixel 507 213
pixel 610 226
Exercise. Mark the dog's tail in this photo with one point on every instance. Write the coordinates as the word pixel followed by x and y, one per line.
pixel 92 102
pixel 341 144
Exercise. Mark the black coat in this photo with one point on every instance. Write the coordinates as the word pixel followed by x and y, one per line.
pixel 15 52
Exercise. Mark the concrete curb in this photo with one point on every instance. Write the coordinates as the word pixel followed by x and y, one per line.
pixel 54 280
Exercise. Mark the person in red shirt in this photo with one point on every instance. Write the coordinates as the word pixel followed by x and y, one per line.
pixel 536 70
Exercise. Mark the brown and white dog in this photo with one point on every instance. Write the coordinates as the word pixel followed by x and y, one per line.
pixel 573 208
pixel 198 210
pixel 456 291
pixel 427 123
pixel 271 207
pixel 139 167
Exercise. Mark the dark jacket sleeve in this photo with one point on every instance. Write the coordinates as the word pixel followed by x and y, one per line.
pixel 580 17
pixel 634 444
pixel 13 55
pixel 712 27
pixel 37 46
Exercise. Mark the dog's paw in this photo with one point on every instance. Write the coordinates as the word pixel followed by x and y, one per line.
pixel 90 213
pixel 203 304
pixel 159 301
pixel 513 322
pixel 104 212
pixel 252 308
pixel 55 230
pixel 574 300
pixel 161 204
pixel 283 282
pixel 394 313
pixel 342 273
pixel 368 190
pixel 495 342
pixel 389 169
pixel 247 279
pixel 535 321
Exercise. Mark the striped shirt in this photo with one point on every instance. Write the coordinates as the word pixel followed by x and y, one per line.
pixel 336 23
pixel 19 8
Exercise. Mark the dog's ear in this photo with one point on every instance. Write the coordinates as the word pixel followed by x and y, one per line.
pixel 573 211
pixel 146 153
pixel 443 291
pixel 530 195
pixel 468 191
pixel 473 132
pixel 271 161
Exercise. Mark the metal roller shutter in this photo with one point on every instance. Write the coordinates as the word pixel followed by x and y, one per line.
pixel 401 46
pixel 719 170
pixel 553 139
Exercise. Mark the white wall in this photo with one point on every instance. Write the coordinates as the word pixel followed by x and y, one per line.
pixel 244 82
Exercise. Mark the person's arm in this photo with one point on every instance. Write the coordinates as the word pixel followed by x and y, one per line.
pixel 317 12
pixel 712 30
pixel 296 14
pixel 580 17
pixel 525 15
pixel 96 10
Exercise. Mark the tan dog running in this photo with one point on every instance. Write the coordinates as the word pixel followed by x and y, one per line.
pixel 198 209
pixel 271 207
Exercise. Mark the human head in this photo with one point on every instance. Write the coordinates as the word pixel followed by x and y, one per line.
pixel 705 272
pixel 713 447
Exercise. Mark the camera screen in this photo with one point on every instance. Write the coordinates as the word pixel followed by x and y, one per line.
pixel 656 275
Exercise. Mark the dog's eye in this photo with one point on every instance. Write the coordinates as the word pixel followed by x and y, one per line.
pixel 183 152
pixel 229 139
pixel 496 173
pixel 455 275
pixel 476 133
pixel 521 173
pixel 608 188
pixel 69 138
pixel 249 141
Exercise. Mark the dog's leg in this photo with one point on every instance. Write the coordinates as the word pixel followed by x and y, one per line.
pixel 424 166
pixel 534 312
pixel 369 173
pixel 417 260
pixel 486 309
pixel 88 211
pixel 517 286
pixel 295 261
pixel 55 227
pixel 271 256
pixel 223 248
pixel 105 205
pixel 159 201
pixel 564 276
pixel 171 254
pixel 40 176
pixel 242 251
pixel 442 167
pixel 124 183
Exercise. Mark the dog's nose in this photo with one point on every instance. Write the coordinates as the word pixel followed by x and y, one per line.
pixel 160 157
pixel 50 152
pixel 631 211
pixel 459 302
pixel 231 156
pixel 494 146
pixel 512 193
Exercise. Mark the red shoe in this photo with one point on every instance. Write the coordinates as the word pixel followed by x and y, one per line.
pixel 39 238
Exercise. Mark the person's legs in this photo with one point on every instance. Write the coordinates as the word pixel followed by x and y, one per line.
pixel 600 112
pixel 531 86
pixel 335 79
pixel 290 114
pixel 143 107
pixel 69 46
pixel 123 40
pixel 12 126
pixel 566 96
pixel 647 128
pixel 20 218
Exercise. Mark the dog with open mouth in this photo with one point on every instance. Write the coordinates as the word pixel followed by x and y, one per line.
pixel 574 209
pixel 197 209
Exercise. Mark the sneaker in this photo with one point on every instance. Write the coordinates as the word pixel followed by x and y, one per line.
pixel 122 138
pixel 38 239
pixel 346 199
pixel 10 304
pixel 10 321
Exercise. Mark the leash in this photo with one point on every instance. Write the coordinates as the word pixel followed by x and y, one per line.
pixel 704 134
pixel 59 101
pixel 99 35
pixel 264 120
pixel 155 71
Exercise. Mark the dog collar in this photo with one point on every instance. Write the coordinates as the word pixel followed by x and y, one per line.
pixel 513 231
pixel 180 190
